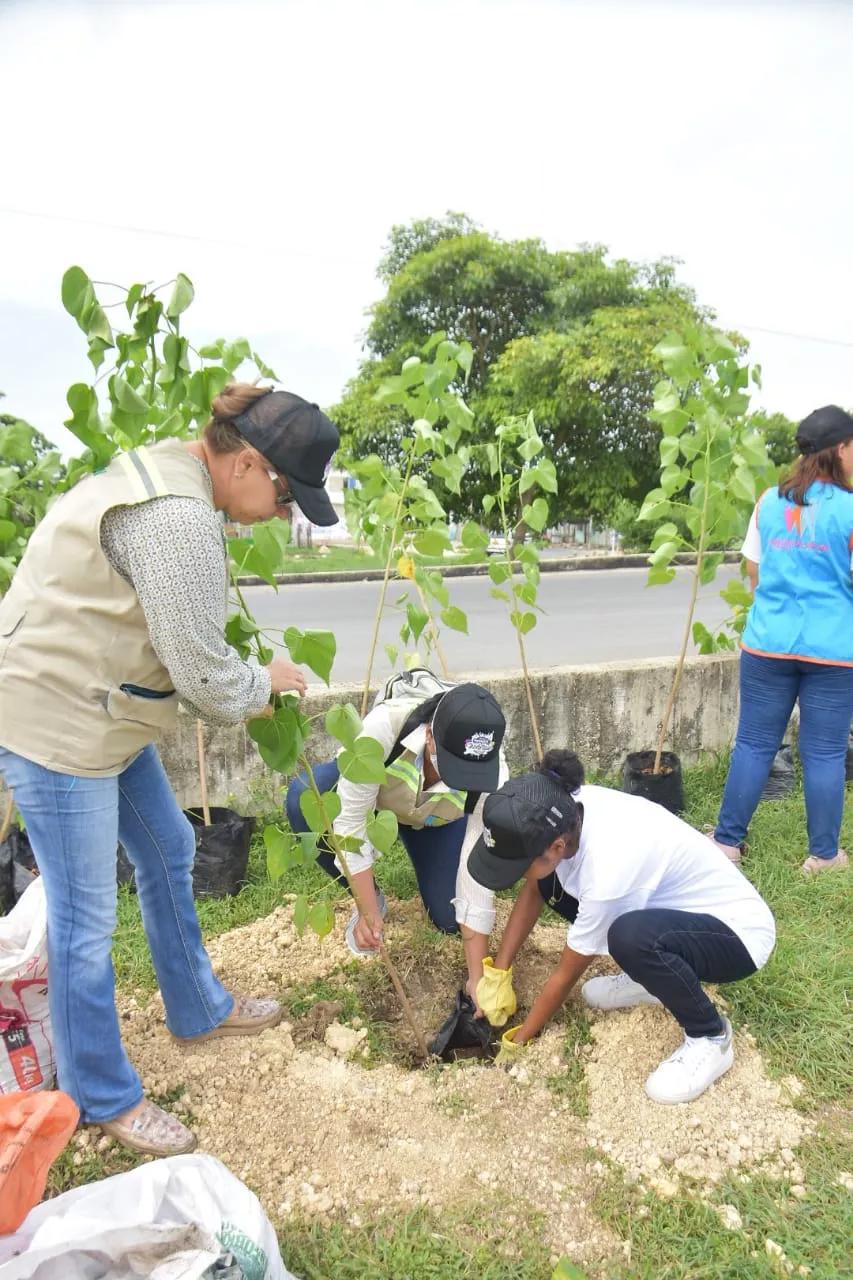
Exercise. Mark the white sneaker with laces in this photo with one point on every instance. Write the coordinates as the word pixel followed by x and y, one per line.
pixel 618 992
pixel 353 921
pixel 692 1068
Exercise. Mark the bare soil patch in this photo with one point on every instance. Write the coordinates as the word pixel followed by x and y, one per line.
pixel 353 1130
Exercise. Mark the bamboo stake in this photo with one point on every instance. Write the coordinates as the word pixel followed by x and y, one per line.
pixel 202 771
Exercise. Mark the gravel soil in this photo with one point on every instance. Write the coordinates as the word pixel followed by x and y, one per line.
pixel 325 1115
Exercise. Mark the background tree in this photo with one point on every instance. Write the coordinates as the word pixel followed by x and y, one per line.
pixel 567 334
pixel 31 472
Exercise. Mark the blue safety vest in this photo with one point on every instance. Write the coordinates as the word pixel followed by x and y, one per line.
pixel 803 605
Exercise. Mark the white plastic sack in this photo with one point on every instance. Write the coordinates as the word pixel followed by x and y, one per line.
pixel 168 1220
pixel 26 1045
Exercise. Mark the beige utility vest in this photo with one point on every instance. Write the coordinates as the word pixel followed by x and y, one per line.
pixel 81 689
pixel 401 792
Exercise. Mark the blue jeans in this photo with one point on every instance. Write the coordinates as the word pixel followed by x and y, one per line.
pixel 74 825
pixel 769 687
pixel 434 851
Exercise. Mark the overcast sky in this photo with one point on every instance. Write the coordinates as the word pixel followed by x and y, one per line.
pixel 265 149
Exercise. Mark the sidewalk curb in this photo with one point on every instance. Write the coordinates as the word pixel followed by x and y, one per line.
pixel 571 564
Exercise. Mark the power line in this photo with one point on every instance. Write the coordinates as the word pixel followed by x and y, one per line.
pixel 176 235
pixel 323 257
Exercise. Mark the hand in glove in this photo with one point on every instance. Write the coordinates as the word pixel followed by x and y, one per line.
pixel 495 995
pixel 509 1052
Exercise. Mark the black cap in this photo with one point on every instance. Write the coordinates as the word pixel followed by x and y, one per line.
pixel 468 727
pixel 298 440
pixel 824 428
pixel 520 822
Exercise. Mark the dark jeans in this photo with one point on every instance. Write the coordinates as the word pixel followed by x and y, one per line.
pixel 769 687
pixel 671 953
pixel 434 851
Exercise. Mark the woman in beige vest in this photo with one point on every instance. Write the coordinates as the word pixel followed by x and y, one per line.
pixel 117 612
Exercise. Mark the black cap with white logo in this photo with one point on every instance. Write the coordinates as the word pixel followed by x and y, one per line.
pixel 520 822
pixel 468 727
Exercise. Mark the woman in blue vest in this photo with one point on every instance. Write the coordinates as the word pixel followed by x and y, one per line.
pixel 798 642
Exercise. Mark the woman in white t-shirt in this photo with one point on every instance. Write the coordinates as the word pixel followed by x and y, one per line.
pixel 638 884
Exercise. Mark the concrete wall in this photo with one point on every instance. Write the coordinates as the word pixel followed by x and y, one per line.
pixel 601 711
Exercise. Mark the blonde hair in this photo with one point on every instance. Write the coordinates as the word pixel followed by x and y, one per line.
pixel 220 434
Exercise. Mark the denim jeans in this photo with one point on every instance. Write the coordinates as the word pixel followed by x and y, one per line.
pixel 671 953
pixel 434 851
pixel 769 687
pixel 74 825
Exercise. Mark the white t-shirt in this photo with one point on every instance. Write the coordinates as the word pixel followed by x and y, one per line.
pixel 635 854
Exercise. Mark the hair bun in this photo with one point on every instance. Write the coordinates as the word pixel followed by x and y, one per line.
pixel 564 766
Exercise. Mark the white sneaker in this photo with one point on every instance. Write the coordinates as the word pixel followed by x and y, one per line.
pixel 692 1068
pixel 619 992
pixel 353 921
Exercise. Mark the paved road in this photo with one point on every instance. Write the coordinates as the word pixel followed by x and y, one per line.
pixel 591 616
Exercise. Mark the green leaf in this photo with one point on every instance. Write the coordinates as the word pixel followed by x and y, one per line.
pixel 392 653
pixel 417 619
pixel 313 814
pixel 473 537
pixel 281 737
pixel 321 917
pixel 182 295
pixel 381 830
pixel 710 565
pixel 264 369
pixel 523 621
pixel 737 594
pixel 499 595
pixel 300 913
pixel 316 649
pixel 85 423
pixel 658 575
pixel 451 470
pixel 432 542
pixel 364 761
pixel 455 618
pixel 670 448
pixel 77 291
pixel 271 541
pixel 280 847
pixel 566 1270
pixel 666 533
pixel 536 515
pixel 212 350
pixel 126 398
pixel 499 571
pixel 663 553
pixel 672 479
pixel 343 723
pixel 530 447
pixel 742 485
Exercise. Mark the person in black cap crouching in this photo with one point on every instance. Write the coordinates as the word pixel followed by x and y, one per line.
pixel 442 757
pixel 637 883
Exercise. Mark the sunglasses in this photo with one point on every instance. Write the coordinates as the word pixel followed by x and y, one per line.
pixel 283 496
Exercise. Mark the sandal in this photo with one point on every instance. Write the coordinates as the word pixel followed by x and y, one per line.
pixel 247 1018
pixel 154 1132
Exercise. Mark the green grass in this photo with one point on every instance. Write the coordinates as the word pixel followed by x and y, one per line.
pixel 418 1246
pixel 685 1237
pixel 351 559
pixel 798 1007
pixel 570 1084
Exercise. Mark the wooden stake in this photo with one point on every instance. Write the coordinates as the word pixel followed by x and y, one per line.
pixel 202 771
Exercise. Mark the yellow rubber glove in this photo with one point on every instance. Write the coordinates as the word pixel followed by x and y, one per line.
pixel 510 1052
pixel 495 995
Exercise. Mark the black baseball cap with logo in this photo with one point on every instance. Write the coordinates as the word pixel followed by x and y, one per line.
pixel 468 727
pixel 298 440
pixel 520 821
pixel 824 428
